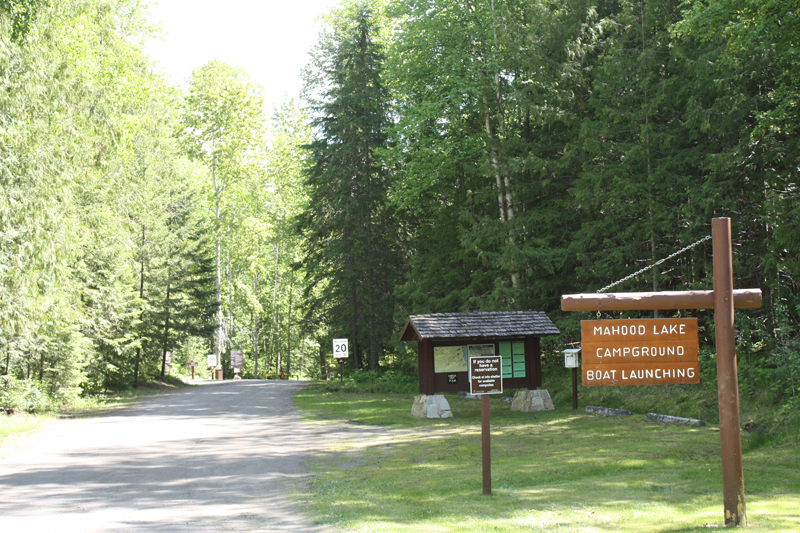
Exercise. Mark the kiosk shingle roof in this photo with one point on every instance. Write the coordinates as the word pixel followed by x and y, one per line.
pixel 479 324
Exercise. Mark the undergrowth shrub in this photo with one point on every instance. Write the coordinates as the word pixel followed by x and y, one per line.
pixel 24 395
pixel 383 382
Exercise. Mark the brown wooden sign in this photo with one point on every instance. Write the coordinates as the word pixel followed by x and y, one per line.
pixel 192 365
pixel 237 359
pixel 486 374
pixel 640 352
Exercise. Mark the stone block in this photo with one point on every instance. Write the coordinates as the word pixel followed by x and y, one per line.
pixel 675 419
pixel 418 407
pixel 434 406
pixel 607 411
pixel 546 400
pixel 532 401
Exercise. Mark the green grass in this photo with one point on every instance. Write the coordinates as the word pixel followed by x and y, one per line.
pixel 15 424
pixel 562 470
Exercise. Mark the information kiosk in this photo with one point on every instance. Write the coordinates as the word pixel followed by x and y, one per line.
pixel 446 342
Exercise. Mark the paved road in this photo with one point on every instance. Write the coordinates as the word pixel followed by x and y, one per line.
pixel 219 457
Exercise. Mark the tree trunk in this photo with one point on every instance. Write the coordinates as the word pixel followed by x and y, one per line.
pixel 505 195
pixel 649 160
pixel 274 311
pixel 323 362
pixel 8 360
pixel 256 320
pixel 165 338
pixel 230 324
pixel 218 286
pixel 141 297
pixel 289 327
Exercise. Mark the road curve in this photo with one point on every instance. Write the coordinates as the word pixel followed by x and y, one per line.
pixel 218 457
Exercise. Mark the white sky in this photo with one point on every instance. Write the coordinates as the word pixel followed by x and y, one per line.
pixel 270 39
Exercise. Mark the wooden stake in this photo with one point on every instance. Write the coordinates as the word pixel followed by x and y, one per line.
pixel 574 388
pixel 486 445
pixel 727 376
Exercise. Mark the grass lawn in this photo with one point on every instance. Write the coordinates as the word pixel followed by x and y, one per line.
pixel 562 470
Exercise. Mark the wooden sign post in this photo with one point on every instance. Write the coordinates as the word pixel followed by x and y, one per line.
pixel 341 352
pixel 192 365
pixel 485 378
pixel 723 299
pixel 571 361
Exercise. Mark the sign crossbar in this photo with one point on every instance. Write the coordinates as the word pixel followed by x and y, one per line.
pixel 656 301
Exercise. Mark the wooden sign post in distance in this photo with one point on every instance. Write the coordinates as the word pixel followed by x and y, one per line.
pixel 485 378
pixel 722 299
pixel 192 365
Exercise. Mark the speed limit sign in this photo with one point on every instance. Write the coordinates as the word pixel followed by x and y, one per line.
pixel 340 349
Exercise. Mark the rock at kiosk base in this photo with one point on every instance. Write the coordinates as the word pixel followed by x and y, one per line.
pixel 434 406
pixel 532 401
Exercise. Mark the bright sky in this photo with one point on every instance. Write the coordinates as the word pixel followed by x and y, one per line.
pixel 270 39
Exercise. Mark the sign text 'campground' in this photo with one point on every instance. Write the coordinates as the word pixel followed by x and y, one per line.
pixel 640 352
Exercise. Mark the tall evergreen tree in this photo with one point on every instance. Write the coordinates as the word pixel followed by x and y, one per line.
pixel 636 176
pixel 349 253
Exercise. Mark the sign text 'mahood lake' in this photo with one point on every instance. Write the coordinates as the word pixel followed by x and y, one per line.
pixel 640 351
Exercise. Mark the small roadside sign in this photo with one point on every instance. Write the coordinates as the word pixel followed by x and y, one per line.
pixel 237 359
pixel 340 352
pixel 486 374
pixel 571 358
pixel 212 359
pixel 340 349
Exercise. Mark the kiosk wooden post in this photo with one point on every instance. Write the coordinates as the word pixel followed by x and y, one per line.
pixel 723 299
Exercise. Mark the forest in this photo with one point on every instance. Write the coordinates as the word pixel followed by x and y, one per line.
pixel 446 156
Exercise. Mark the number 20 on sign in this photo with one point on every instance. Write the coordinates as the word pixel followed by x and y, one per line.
pixel 340 349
